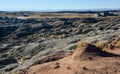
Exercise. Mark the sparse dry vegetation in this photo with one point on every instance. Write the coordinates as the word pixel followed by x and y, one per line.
pixel 115 44
pixel 15 72
pixel 81 43
pixel 99 45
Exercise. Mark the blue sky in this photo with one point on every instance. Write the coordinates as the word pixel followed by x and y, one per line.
pixel 11 5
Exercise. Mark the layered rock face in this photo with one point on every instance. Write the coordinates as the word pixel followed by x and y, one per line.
pixel 54 28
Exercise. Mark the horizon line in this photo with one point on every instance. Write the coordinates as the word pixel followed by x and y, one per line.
pixel 50 10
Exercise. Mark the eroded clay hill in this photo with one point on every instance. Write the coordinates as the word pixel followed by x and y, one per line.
pixel 45 43
pixel 86 59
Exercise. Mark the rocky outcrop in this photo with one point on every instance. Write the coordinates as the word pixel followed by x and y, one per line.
pixel 7 60
pixel 105 14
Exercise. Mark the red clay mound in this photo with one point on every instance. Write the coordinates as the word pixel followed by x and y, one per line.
pixel 78 63
pixel 88 51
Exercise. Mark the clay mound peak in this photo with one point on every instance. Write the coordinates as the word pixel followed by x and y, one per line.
pixel 88 51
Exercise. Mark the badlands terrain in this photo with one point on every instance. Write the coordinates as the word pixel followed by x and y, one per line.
pixel 86 42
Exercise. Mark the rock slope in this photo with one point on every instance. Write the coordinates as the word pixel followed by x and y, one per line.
pixel 85 59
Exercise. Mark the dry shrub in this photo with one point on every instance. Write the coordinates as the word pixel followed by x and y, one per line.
pixel 114 44
pixel 99 44
pixel 81 44
pixel 15 72
pixel 117 43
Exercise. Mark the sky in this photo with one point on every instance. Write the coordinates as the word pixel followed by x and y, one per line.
pixel 36 5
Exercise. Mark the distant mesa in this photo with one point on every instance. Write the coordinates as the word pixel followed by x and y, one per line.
pixel 104 14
